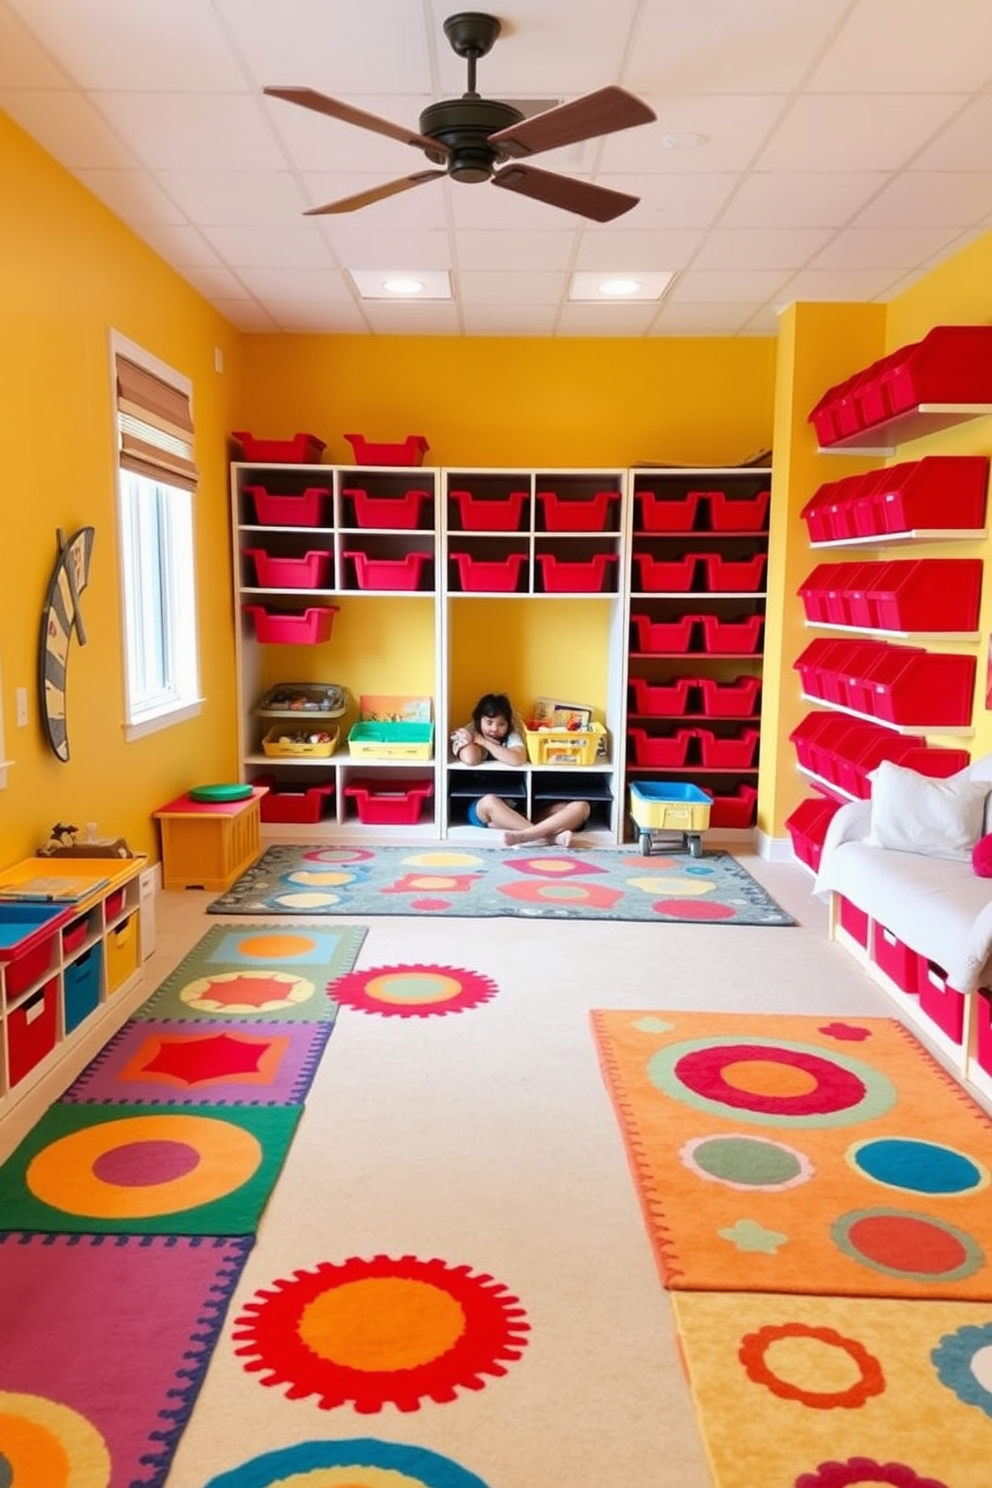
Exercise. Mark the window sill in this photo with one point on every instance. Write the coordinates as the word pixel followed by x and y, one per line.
pixel 153 723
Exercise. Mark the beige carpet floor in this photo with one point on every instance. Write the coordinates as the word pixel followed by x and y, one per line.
pixel 487 1139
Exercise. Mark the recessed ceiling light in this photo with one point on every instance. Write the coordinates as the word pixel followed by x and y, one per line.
pixel 686 139
pixel 612 287
pixel 399 284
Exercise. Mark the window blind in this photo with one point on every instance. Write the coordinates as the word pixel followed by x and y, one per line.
pixel 155 427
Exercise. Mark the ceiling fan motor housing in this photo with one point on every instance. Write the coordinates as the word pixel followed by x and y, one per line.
pixel 464 125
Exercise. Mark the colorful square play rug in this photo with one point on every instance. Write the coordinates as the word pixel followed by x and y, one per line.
pixel 105 1343
pixel 222 1064
pixel 258 971
pixel 555 883
pixel 198 1170
pixel 799 1154
pixel 832 1392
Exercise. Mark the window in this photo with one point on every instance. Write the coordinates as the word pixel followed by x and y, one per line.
pixel 156 485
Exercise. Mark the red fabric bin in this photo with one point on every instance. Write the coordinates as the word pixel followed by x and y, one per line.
pixel 562 514
pixel 389 573
pixel 668 513
pixel 738 513
pixel 737 753
pixel 302 449
pixel 674 575
pixel 854 920
pixel 490 513
pixel 897 960
pixel 939 1001
pixel 302 509
pixel 499 576
pixel 658 637
pixel 387 511
pixel 661 700
pixel 726 637
pixel 737 810
pixel 585 577
pixel 664 753
pixel 983 1029
pixel 310 571
pixel 32 1030
pixel 737 699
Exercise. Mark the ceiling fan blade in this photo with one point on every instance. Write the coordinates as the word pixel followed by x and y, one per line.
pixel 335 109
pixel 598 113
pixel 597 202
pixel 374 194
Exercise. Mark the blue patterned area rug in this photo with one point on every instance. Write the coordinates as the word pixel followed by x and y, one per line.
pixel 553 883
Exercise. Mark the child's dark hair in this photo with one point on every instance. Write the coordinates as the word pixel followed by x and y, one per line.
pixel 493 705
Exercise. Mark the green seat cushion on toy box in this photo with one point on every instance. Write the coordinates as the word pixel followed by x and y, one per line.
pixel 232 792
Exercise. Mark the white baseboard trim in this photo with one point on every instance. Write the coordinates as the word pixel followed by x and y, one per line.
pixel 774 849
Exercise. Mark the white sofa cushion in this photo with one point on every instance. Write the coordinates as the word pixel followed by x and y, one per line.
pixel 913 813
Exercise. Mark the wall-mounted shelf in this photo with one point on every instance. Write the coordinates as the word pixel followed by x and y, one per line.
pixel 920 535
pixel 895 728
pixel 884 439
pixel 896 635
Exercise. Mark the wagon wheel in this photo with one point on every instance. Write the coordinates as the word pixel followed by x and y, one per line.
pixel 646 844
pixel 695 845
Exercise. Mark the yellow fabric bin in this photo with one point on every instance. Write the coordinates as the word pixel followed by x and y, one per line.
pixel 122 952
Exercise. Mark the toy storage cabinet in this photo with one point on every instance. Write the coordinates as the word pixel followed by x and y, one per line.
pixel 77 979
pixel 207 845
pixel 698 573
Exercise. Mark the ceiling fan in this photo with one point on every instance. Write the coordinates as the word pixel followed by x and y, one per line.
pixel 470 136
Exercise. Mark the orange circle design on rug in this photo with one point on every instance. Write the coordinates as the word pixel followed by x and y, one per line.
pixel 763 1077
pixel 807 1352
pixel 250 992
pixel 412 991
pixel 274 944
pixel 381 1332
pixel 538 891
pixel 202 1160
pixel 557 867
pixel 43 1441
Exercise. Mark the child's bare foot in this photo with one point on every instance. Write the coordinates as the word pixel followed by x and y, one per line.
pixel 513 839
pixel 564 839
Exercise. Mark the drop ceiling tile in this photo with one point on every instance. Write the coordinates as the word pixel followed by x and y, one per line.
pixel 485 251
pixel 179 244
pixel 355 248
pixel 199 131
pixel 722 46
pixel 741 285
pixel 631 252
pixel 24 63
pixel 877 248
pixel 920 199
pixel 291 245
pixel 735 129
pixel 845 285
pixel 69 127
pixel 587 319
pixel 133 196
pixel 215 283
pixel 372 48
pixel 909 46
pixel 843 132
pixel 316 142
pixel 313 286
pixel 764 322
pixel 702 319
pixel 324 320
pixel 799 199
pixel 235 198
pixel 757 248
pixel 504 320
pixel 673 200
pixel 405 319
pixel 509 288
pixel 108 43
pixel 965 144
pixel 421 208
pixel 246 315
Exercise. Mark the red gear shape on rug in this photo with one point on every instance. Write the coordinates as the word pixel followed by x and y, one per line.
pixel 377 1332
pixel 753 1355
pixel 415 991
pixel 865 1470
pixel 249 990
pixel 192 1060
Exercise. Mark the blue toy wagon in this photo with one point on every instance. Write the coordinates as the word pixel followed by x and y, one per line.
pixel 672 806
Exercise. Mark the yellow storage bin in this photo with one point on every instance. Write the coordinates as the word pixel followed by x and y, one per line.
pixel 283 742
pixel 564 746
pixel 122 952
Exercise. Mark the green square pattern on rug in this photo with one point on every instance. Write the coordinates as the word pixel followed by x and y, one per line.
pixel 128 1169
pixel 260 971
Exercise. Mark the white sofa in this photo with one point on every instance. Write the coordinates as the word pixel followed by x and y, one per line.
pixel 938 906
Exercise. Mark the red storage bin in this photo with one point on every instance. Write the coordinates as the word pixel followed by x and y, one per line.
pixel 983 1029
pixel 824 413
pixel 387 511
pixel 301 510
pixel 862 505
pixel 927 594
pixel 668 513
pixel 930 759
pixel 819 665
pixel 31 964
pixel 307 572
pixel 871 396
pixel 73 935
pixel 816 590
pixel 939 1001
pixel 661 700
pixel 737 753
pixel 661 753
pixel 389 802
pixel 807 826
pixel 939 492
pixel 920 688
pixel 861 584
pixel 658 637
pixel 857 752
pixel 389 573
pixel 952 364
pixel 562 514
pixel 726 574
pixel 489 575
pixel 410 452
pixel 738 513
pixel 113 904
pixel 490 514
pixel 32 1030
pixel 672 575
pixel 302 449
pixel 737 810
pixel 727 637
pixel 841 511
pixel 284 804
pixel 737 699
pixel 307 628
pixel 898 961
pixel 816 513
pixel 806 734
pixel 585 577
pixel 847 413
pixel 854 920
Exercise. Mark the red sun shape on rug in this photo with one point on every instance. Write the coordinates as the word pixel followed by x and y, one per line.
pixel 381 1332
pixel 412 991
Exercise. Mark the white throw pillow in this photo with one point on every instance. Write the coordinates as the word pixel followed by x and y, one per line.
pixel 914 813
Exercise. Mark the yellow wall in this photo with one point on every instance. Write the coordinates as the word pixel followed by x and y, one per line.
pixel 69 273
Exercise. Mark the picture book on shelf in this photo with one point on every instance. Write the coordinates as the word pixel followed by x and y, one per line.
pixel 53 890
